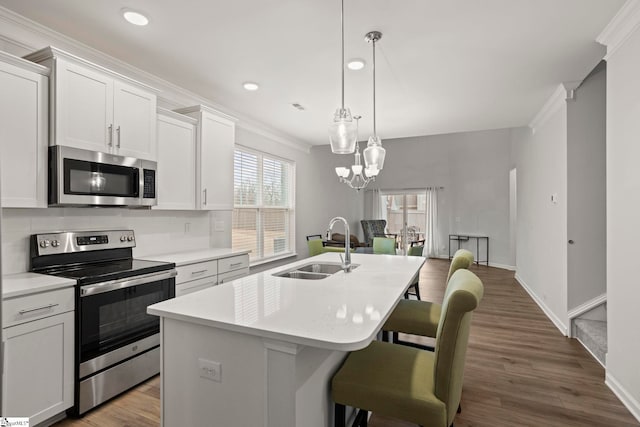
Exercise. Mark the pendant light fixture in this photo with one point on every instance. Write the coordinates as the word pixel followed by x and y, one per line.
pixel 359 180
pixel 374 153
pixel 342 131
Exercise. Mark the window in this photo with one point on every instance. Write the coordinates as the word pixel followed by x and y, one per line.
pixel 263 214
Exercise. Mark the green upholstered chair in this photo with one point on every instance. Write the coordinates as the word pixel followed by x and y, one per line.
pixel 384 245
pixel 422 317
pixel 316 247
pixel 407 383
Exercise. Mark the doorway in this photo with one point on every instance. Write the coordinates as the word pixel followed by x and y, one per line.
pixel 405 212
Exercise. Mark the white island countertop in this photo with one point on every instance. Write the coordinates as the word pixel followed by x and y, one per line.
pixel 344 311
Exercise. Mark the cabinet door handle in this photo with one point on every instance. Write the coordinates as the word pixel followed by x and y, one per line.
pixel 118 133
pixel 235 264
pixel 31 310
pixel 198 272
pixel 110 135
pixel 205 196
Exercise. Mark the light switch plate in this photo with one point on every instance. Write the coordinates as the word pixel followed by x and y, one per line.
pixel 218 226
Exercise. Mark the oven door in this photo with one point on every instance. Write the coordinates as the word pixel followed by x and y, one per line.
pixel 114 314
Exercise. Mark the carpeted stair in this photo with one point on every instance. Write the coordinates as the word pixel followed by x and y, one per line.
pixel 593 335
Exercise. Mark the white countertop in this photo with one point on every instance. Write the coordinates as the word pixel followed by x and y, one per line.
pixel 16 285
pixel 191 257
pixel 344 311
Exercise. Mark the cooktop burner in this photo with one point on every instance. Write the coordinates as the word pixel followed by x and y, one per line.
pixel 89 273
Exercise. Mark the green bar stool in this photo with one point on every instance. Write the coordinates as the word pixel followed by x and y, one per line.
pixel 421 317
pixel 410 384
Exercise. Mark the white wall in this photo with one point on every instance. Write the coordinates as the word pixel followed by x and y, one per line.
pixel 541 256
pixel 623 233
pixel 473 168
pixel 586 194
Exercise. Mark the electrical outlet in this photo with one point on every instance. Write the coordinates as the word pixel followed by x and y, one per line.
pixel 210 370
pixel 218 226
pixel 187 227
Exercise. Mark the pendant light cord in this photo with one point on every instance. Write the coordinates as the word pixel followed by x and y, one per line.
pixel 342 50
pixel 374 88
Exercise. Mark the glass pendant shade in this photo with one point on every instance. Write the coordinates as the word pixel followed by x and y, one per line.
pixel 374 154
pixel 343 132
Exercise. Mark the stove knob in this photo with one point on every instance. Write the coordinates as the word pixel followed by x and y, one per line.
pixel 55 243
pixel 130 238
pixel 123 238
pixel 44 243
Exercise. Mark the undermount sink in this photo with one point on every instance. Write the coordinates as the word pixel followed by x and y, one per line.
pixel 313 271
pixel 302 275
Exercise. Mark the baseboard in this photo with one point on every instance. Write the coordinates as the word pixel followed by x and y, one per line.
pixel 554 319
pixel 590 352
pixel 502 266
pixel 625 397
pixel 491 264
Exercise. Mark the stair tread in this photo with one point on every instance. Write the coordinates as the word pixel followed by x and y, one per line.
pixel 596 330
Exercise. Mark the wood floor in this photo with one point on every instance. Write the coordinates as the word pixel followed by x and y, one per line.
pixel 520 371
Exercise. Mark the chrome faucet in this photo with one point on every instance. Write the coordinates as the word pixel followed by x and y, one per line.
pixel 346 262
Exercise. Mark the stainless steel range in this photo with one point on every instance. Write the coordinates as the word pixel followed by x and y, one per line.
pixel 117 342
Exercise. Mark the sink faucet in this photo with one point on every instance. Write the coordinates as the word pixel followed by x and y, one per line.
pixel 346 262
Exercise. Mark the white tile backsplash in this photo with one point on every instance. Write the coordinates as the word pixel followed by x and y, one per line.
pixel 156 231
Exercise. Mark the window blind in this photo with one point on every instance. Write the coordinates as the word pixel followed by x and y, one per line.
pixel 263 207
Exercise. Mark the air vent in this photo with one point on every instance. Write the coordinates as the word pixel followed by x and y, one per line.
pixel 297 106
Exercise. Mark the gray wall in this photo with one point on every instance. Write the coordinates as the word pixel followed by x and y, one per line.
pixel 541 255
pixel 473 168
pixel 586 192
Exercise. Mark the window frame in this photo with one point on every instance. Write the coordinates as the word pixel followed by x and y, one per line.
pixel 261 208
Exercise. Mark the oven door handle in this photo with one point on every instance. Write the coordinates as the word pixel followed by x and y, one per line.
pixel 114 285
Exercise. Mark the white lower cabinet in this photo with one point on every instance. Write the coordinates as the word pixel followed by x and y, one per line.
pixel 201 275
pixel 196 276
pixel 232 268
pixel 38 355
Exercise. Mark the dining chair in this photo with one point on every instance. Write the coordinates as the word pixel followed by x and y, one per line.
pixel 422 317
pixel 384 245
pixel 375 228
pixel 407 383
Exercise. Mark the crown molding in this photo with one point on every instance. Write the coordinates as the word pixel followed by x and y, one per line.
pixel 621 27
pixel 563 93
pixel 30 36
pixel 177 116
pixel 24 64
pixel 259 130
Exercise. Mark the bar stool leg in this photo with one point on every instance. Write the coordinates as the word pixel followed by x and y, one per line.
pixel 340 415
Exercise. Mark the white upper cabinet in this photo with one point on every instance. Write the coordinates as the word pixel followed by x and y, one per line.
pixel 23 133
pixel 214 158
pixel 96 109
pixel 176 161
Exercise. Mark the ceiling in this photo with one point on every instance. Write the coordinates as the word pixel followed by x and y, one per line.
pixel 441 66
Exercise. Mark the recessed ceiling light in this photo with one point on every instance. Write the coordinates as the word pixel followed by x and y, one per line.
pixel 356 64
pixel 250 86
pixel 135 18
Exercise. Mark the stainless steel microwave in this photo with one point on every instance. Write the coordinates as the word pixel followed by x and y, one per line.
pixel 89 178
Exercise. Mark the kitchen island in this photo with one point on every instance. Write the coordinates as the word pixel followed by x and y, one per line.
pixel 261 350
